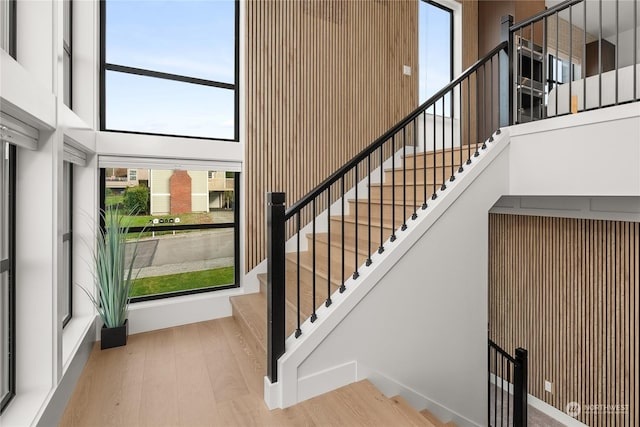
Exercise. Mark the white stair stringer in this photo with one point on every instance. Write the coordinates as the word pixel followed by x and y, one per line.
pixel 388 321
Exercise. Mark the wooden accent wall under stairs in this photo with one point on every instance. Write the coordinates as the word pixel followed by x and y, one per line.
pixel 250 310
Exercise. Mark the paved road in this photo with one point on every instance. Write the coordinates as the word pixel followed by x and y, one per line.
pixel 167 254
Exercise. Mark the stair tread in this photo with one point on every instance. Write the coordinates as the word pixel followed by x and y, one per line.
pixel 433 419
pixel 361 403
pixel 410 412
pixel 436 151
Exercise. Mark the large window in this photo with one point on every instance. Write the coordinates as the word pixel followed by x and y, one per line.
pixel 170 68
pixel 435 46
pixel 67 58
pixel 8 26
pixel 7 273
pixel 189 224
pixel 67 243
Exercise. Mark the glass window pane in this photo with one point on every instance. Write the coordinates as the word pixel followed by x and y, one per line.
pixel 66 69
pixel 4 334
pixel 152 105
pixel 198 256
pixel 66 282
pixel 189 38
pixel 5 29
pixel 4 200
pixel 66 21
pixel 435 49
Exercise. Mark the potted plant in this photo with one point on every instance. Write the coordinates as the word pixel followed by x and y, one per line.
pixel 113 274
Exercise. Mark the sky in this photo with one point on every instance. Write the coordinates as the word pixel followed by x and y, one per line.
pixel 185 37
pixel 195 38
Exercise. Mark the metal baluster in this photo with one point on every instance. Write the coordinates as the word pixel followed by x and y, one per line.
pixel 368 262
pixel 393 188
pixel 495 387
pixel 381 247
pixel 508 382
pixel 570 55
pixel 355 273
pixel 415 180
pixel 635 48
pixel 469 119
pixel 460 168
pixel 425 156
pixel 584 57
pixel 502 417
pixel 489 384
pixel 617 46
pixel 545 77
pixel 328 301
pixel 434 195
pixel 313 281
pixel 444 160
pixel 519 76
pixel 600 55
pixel 533 54
pixel 404 179
pixel 555 71
pixel 477 153
pixel 342 285
pixel 492 123
pixel 453 153
pixel 484 105
pixel 298 330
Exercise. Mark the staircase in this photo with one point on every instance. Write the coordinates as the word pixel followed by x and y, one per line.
pixel 329 270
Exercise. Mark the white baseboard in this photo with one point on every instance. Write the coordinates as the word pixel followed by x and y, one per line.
pixel 327 380
pixel 272 394
pixel 541 405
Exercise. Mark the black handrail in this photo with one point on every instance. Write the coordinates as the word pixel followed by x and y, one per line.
pixel 296 207
pixel 504 407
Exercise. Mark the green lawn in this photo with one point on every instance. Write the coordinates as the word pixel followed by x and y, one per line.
pixel 183 281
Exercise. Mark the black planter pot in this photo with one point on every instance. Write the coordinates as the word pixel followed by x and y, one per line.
pixel 114 337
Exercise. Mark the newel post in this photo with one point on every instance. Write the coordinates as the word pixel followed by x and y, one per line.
pixel 506 73
pixel 520 388
pixel 275 282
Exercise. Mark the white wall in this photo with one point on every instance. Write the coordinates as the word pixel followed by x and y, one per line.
pixel 387 325
pixel 625 46
pixel 595 153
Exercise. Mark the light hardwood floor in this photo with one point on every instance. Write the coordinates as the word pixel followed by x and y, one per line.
pixel 205 374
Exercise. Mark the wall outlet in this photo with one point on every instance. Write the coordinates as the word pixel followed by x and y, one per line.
pixel 406 70
pixel 548 386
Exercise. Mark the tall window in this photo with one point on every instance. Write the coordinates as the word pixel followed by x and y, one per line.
pixel 435 45
pixel 8 26
pixel 170 68
pixel 7 274
pixel 189 223
pixel 67 243
pixel 67 63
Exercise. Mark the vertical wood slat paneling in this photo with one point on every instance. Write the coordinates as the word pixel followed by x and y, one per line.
pixel 566 289
pixel 324 79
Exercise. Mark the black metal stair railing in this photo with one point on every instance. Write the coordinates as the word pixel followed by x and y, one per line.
pixel 577 56
pixel 507 387
pixel 371 198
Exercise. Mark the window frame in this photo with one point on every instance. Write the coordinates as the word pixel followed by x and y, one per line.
pixel 10 265
pixel 105 66
pixel 451 13
pixel 236 240
pixel 67 236
pixel 11 19
pixel 67 51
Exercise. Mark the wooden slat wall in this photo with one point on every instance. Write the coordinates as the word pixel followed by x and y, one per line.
pixel 567 291
pixel 324 79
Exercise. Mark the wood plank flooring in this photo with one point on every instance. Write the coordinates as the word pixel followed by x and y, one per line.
pixel 206 374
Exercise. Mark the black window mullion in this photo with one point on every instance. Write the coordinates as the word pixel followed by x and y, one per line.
pixel 68 237
pixel 9 265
